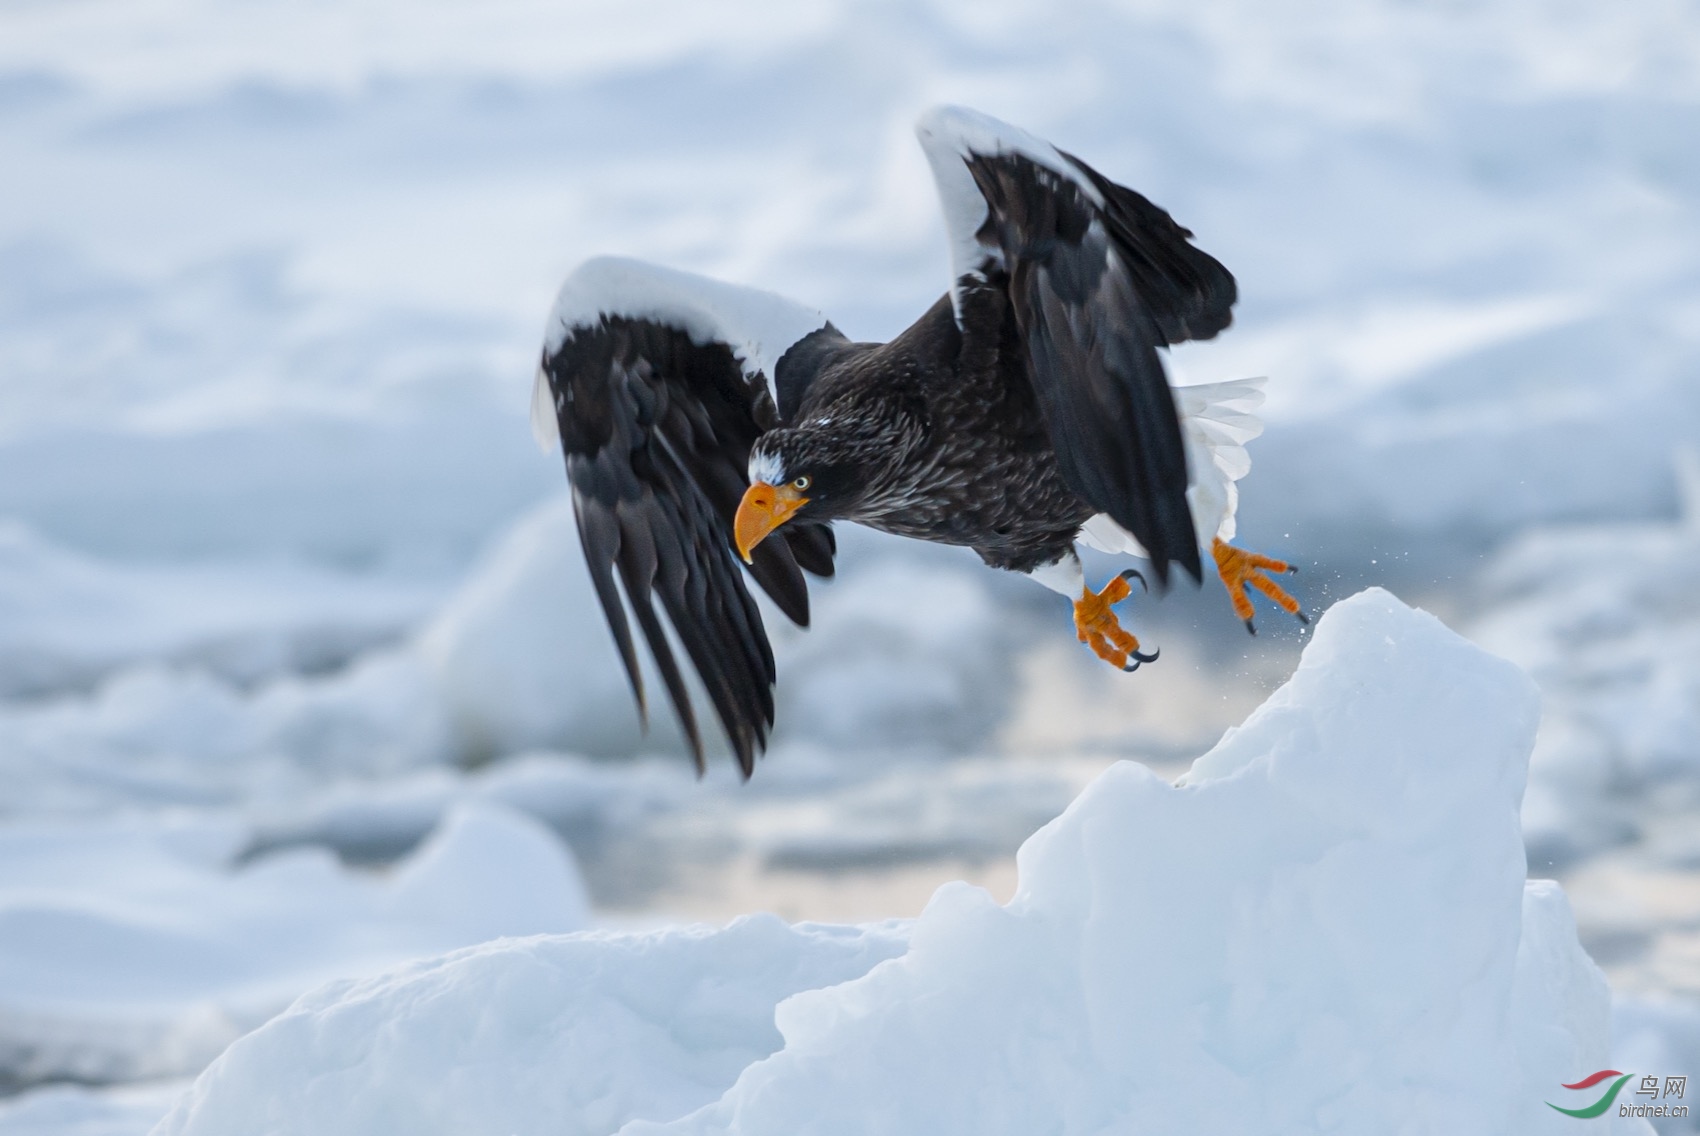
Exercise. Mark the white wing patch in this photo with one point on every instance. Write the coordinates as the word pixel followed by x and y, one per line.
pixel 1217 420
pixel 758 326
pixel 949 135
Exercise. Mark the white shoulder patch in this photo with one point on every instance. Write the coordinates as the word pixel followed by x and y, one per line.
pixel 758 326
pixel 949 135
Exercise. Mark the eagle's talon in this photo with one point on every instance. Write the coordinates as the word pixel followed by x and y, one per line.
pixel 1139 658
pixel 1095 624
pixel 1134 574
pixel 1242 571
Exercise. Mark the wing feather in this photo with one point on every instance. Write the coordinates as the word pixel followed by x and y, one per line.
pixel 656 411
pixel 1099 278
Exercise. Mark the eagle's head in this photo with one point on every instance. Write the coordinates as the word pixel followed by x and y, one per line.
pixel 830 467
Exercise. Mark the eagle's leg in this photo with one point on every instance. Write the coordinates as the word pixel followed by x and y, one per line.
pixel 1241 570
pixel 1096 625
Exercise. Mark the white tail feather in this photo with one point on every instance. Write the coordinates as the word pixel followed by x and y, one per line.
pixel 1216 423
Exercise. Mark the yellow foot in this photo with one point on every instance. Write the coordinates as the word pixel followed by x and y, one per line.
pixel 1096 625
pixel 1241 570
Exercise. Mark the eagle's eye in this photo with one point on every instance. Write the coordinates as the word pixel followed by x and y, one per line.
pixel 802 483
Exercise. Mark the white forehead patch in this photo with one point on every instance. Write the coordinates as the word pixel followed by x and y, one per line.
pixel 766 467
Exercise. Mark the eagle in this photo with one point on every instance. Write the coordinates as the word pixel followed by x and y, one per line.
pixel 711 429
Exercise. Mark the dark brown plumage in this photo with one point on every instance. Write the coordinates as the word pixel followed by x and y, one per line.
pixel 1019 406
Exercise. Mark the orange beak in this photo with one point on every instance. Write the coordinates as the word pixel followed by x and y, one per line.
pixel 763 509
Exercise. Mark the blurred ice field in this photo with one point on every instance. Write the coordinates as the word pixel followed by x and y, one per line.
pixel 294 636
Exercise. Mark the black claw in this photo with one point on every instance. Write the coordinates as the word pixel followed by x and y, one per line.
pixel 1303 618
pixel 1250 628
pixel 1138 659
pixel 1293 568
pixel 1134 574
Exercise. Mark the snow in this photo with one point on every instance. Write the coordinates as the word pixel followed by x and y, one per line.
pixel 159 735
pixel 220 411
pixel 1603 617
pixel 903 656
pixel 1326 919
pixel 68 620
pixel 520 654
pixel 139 951
pixel 77 1110
pixel 1656 1033
pixel 569 1035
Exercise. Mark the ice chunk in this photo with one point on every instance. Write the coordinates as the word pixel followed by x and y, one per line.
pixel 571 1035
pixel 1325 928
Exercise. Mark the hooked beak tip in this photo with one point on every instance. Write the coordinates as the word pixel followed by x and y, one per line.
pixel 762 510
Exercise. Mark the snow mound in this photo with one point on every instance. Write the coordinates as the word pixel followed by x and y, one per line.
pixel 141 951
pixel 563 1035
pixel 1326 928
pixel 520 655
pixel 1327 922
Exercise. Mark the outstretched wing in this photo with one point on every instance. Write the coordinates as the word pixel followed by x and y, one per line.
pixel 656 383
pixel 1098 278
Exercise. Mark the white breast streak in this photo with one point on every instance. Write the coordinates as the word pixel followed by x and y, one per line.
pixel 949 135
pixel 758 326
